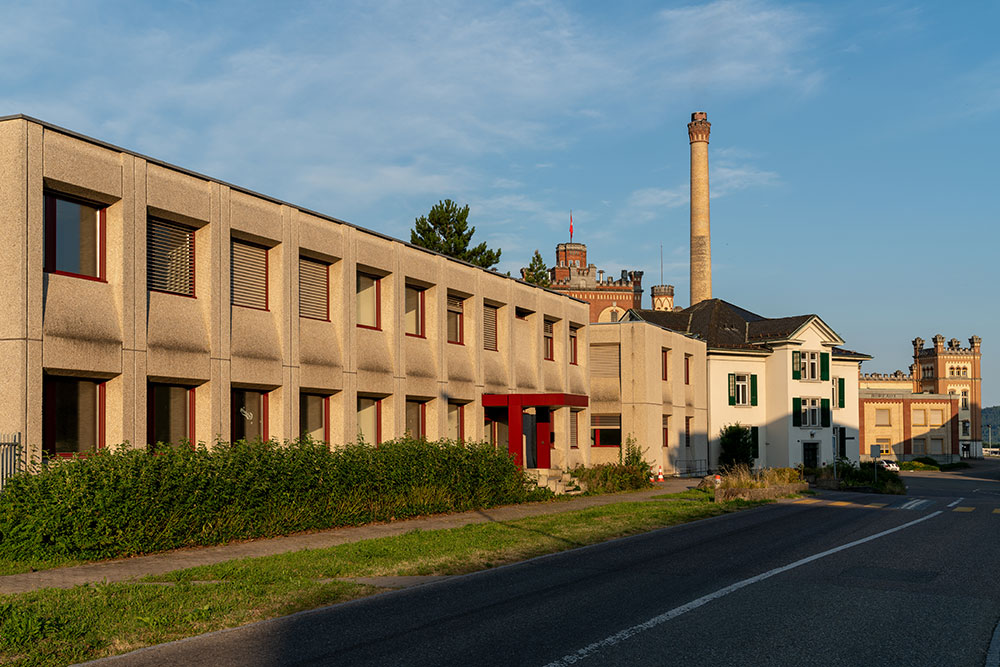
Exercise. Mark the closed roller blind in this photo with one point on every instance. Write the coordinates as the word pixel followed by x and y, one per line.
pixel 547 328
pixel 489 327
pixel 249 275
pixel 604 361
pixel 170 257
pixel 574 417
pixel 606 421
pixel 314 289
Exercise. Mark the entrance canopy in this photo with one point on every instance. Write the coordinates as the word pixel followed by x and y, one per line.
pixel 535 400
pixel 537 442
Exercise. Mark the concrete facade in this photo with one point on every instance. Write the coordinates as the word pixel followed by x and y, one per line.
pixel 113 335
pixel 659 394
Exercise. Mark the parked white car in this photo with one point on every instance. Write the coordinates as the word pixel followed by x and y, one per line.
pixel 889 465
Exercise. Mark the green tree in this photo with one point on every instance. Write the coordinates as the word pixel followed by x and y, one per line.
pixel 735 446
pixel 536 273
pixel 446 230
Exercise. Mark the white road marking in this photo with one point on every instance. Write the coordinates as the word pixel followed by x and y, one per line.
pixel 956 502
pixel 627 633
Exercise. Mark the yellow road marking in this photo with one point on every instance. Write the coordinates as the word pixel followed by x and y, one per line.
pixel 807 501
pixel 840 503
pixel 996 511
pixel 963 509
pixel 876 504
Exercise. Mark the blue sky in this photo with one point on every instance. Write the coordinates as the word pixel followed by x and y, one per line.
pixel 853 144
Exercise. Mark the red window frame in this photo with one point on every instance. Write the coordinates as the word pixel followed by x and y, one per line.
pixel 49 258
pixel 378 302
pixel 572 347
pixel 687 369
pixel 461 419
pixel 461 323
pixel 421 303
pixel 664 367
pixel 548 342
pixel 150 423
pixel 48 445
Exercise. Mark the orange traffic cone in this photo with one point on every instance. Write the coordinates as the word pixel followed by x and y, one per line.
pixel 659 476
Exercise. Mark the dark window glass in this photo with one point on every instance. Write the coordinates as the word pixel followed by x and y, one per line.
pixel 73 237
pixel 71 413
pixel 168 414
pixel 248 415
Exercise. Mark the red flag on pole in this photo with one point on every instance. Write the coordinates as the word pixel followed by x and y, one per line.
pixel 571 226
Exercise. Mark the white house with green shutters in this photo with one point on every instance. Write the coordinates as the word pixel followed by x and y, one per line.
pixel 788 379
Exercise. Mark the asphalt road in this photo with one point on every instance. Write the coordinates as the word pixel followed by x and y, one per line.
pixel 837 581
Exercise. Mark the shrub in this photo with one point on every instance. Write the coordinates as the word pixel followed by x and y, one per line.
pixel 613 477
pixel 916 465
pixel 630 473
pixel 927 460
pixel 127 502
pixel 735 446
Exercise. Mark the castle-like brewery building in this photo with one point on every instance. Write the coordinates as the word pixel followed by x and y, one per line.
pixel 934 410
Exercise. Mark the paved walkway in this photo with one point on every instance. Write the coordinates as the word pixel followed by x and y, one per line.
pixel 141 566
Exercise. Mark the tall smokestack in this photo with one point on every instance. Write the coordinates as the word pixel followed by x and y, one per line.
pixel 701 244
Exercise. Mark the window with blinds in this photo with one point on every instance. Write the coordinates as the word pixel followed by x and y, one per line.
pixel 455 324
pixel 314 289
pixel 606 430
pixel 547 327
pixel 248 275
pixel 490 327
pixel 574 428
pixel 169 257
pixel 605 361
pixel 572 345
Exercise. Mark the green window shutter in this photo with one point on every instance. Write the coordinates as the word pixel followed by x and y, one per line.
pixel 796 412
pixel 753 390
pixel 796 365
pixel 825 412
pixel 732 389
pixel 824 365
pixel 755 441
pixel 840 393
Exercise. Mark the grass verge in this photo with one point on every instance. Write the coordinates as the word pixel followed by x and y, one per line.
pixel 55 627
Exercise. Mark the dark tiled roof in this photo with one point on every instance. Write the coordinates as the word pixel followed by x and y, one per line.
pixel 841 352
pixel 724 325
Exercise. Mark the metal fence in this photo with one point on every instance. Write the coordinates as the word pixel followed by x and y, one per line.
pixel 691 468
pixel 10 453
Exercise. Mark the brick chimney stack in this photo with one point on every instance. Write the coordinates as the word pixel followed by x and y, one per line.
pixel 701 246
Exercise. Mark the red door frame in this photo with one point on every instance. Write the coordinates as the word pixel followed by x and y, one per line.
pixel 515 404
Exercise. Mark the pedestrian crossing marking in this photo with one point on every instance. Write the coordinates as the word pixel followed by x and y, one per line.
pixel 963 509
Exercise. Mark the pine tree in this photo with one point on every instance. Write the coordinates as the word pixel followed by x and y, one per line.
pixel 446 230
pixel 536 273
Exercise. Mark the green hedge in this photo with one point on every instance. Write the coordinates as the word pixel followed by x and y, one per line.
pixel 127 502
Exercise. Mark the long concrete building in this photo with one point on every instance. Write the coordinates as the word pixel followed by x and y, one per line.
pixel 141 302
